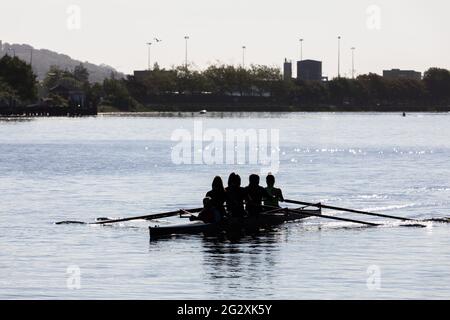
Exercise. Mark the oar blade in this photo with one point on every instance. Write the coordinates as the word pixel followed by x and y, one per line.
pixel 413 225
pixel 70 222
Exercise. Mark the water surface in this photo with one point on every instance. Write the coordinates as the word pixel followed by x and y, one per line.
pixel 54 169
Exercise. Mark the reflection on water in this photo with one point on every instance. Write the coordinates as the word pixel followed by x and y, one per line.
pixel 244 262
pixel 16 119
pixel 211 114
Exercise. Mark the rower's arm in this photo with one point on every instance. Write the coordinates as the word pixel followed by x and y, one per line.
pixel 182 211
pixel 281 198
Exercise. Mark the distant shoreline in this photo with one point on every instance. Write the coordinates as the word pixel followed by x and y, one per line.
pixel 274 108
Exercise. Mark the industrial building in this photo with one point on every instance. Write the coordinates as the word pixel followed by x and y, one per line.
pixel 402 74
pixel 309 70
pixel 287 70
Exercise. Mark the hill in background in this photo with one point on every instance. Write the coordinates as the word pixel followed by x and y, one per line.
pixel 43 59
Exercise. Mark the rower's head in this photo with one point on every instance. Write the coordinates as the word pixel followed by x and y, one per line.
pixel 232 180
pixel 217 184
pixel 253 180
pixel 238 180
pixel 206 202
pixel 270 180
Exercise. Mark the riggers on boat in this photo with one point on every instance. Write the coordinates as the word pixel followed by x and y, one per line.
pixel 263 220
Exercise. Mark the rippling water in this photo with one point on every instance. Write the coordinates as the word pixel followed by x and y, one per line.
pixel 54 169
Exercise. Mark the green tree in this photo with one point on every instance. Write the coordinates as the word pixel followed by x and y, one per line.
pixel 219 79
pixel 81 74
pixel 6 92
pixel 374 86
pixel 19 75
pixel 265 79
pixel 437 82
pixel 55 76
pixel 117 95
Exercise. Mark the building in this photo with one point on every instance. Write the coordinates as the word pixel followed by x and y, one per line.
pixel 287 70
pixel 402 74
pixel 309 70
pixel 148 75
pixel 74 96
pixel 141 75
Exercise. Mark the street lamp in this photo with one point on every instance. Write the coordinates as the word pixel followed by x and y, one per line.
pixel 186 38
pixel 243 56
pixel 301 49
pixel 339 56
pixel 353 62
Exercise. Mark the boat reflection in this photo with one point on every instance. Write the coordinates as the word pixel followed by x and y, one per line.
pixel 247 262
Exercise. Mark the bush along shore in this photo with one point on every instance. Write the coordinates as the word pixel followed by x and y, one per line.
pixel 217 88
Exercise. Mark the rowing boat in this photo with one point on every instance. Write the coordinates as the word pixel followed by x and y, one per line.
pixel 261 221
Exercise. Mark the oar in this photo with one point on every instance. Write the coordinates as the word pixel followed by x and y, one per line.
pixel 335 218
pixel 147 217
pixel 297 211
pixel 319 205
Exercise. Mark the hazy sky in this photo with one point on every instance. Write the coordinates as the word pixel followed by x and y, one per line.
pixel 408 34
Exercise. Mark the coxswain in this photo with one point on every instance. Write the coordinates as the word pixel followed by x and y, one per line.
pixel 209 214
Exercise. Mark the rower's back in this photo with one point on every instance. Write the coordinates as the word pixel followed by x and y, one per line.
pixel 275 193
pixel 235 196
pixel 254 196
pixel 217 195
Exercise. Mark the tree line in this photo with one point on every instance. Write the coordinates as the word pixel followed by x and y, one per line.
pixel 222 84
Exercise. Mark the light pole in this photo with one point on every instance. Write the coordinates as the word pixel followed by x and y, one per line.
pixel 243 56
pixel 353 62
pixel 186 38
pixel 339 56
pixel 149 52
pixel 301 49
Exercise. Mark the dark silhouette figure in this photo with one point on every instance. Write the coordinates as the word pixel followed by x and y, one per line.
pixel 217 195
pixel 209 214
pixel 235 196
pixel 255 194
pixel 276 193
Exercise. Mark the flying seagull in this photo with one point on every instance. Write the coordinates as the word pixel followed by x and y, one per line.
pixel 157 40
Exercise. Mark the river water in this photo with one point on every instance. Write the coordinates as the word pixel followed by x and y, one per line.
pixel 54 169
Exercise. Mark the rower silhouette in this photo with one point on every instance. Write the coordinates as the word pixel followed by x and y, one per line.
pixel 276 193
pixel 255 194
pixel 235 196
pixel 209 213
pixel 217 195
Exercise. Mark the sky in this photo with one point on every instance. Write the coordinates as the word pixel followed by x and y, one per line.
pixel 405 34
